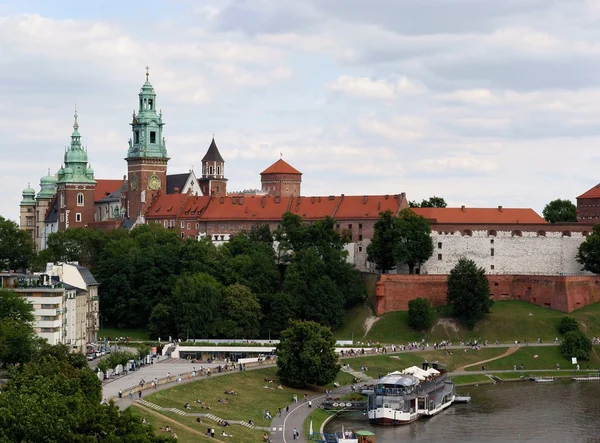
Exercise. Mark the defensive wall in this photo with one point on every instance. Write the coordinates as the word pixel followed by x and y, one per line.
pixel 559 292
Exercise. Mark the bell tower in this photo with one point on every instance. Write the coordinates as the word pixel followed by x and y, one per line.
pixel 147 154
pixel 213 181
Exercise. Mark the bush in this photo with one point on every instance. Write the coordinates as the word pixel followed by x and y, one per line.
pixel 420 314
pixel 567 324
pixel 576 344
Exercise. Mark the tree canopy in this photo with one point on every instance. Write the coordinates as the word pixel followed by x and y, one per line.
pixel 16 246
pixel 381 249
pixel 560 211
pixel 18 342
pixel 588 253
pixel 567 324
pixel 306 355
pixel 576 344
pixel 431 202
pixel 468 292
pixel 420 314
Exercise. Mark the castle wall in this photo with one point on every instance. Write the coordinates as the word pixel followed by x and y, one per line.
pixel 563 293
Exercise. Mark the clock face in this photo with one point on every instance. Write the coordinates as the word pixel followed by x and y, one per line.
pixel 154 183
pixel 135 182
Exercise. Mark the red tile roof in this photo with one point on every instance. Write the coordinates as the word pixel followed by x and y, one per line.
pixel 591 193
pixel 480 215
pixel 281 167
pixel 315 208
pixel 106 187
pixel 193 207
pixel 255 207
pixel 166 206
pixel 369 206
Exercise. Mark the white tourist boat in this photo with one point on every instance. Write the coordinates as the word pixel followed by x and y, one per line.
pixel 543 379
pixel 402 397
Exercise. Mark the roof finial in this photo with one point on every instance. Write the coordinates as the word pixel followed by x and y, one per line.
pixel 75 124
pixel 280 155
pixel 48 171
pixel 147 73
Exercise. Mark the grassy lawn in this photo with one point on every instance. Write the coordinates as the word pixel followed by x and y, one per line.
pixel 157 422
pixel 471 379
pixel 239 434
pixel 318 416
pixel 548 356
pixel 251 401
pixel 353 326
pixel 384 364
pixel 509 376
pixel 508 321
pixel 135 334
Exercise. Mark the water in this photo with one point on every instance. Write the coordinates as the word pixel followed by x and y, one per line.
pixel 563 411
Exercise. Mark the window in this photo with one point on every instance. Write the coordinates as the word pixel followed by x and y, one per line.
pixel 210 170
pixel 336 226
pixel 80 199
pixel 350 226
pixel 188 226
pixel 439 245
pixel 152 137
pixel 78 217
pixel 218 189
pixel 218 170
pixel 172 223
pixel 182 225
pixel 136 137
pixel 439 256
pixel 492 252
pixel 492 241
pixel 165 223
pixel 29 221
pixel 62 199
pixel 359 237
pixel 182 235
pixel 150 104
pixel 360 249
pixel 197 225
pixel 360 226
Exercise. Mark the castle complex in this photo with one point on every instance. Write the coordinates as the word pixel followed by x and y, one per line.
pixel 505 241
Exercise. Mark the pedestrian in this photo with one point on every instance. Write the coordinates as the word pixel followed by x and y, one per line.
pixel 120 394
pixel 130 394
pixel 287 409
pixel 295 433
pixel 309 403
pixel 279 412
pixel 212 432
pixel 139 394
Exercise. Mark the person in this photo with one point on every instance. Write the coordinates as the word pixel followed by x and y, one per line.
pixel 139 394
pixel 225 434
pixel 187 406
pixel 175 437
pixel 279 412
pixel 250 422
pixel 212 432
pixel 310 403
pixel 295 433
pixel 287 409
pixel 131 394
pixel 144 421
pixel 266 438
pixel 120 394
pixel 198 420
pixel 168 428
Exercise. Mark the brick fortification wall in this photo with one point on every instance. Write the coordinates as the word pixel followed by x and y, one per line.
pixel 563 293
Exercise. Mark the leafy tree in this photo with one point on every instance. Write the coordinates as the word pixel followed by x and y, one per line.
pixel 201 256
pixel 241 312
pixel 560 211
pixel 381 249
pixel 468 292
pixel 278 310
pixel 75 244
pixel 432 202
pixel 16 246
pixel 589 252
pixel 420 314
pixel 161 322
pixel 576 344
pixel 567 324
pixel 414 245
pixel 197 303
pixel 306 355
pixel 18 342
pixel 316 296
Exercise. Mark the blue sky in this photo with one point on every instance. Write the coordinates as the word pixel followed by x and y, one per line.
pixel 484 103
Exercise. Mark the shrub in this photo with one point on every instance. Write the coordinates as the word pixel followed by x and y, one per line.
pixel 420 314
pixel 567 324
pixel 576 344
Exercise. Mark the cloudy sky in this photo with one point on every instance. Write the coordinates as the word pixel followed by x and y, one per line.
pixel 483 102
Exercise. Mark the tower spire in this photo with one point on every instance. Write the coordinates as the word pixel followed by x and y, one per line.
pixel 147 73
pixel 75 124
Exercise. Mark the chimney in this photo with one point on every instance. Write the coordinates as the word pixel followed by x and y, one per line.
pixel 462 208
pixel 176 190
pixel 500 208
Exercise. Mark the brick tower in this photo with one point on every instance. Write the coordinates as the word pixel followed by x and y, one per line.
pixel 75 186
pixel 147 155
pixel 213 181
pixel 281 179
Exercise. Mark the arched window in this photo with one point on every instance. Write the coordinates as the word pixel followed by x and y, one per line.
pixel 80 199
pixel 218 170
pixel 210 170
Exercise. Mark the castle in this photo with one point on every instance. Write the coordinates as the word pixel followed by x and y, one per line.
pixel 505 241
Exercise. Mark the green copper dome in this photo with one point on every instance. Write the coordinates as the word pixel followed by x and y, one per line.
pixel 28 196
pixel 48 186
pixel 76 168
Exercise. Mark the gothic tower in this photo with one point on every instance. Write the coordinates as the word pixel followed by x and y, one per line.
pixel 75 186
pixel 147 155
pixel 27 211
pixel 281 179
pixel 213 181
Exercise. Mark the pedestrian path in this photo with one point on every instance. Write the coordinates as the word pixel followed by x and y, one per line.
pixel 358 375
pixel 209 416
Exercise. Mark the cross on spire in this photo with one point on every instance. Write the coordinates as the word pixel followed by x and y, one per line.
pixel 75 124
pixel 147 73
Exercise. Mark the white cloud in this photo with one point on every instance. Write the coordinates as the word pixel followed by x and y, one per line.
pixel 448 166
pixel 364 87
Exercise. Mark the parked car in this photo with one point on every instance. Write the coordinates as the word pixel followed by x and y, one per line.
pixel 91 356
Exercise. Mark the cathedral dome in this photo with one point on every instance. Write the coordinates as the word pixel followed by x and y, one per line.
pixel 28 196
pixel 48 180
pixel 76 156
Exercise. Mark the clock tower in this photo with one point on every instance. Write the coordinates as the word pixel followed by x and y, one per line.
pixel 147 155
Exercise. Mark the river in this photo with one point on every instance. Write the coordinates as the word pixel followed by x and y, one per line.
pixel 563 411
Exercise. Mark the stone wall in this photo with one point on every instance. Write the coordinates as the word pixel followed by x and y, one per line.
pixel 563 293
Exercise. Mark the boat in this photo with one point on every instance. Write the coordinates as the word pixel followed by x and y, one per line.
pixel 402 397
pixel 355 437
pixel 543 379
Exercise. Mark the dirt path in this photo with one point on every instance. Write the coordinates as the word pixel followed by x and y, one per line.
pixel 369 322
pixel 508 352
pixel 175 423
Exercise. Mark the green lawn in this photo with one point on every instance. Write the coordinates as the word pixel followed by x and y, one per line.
pixel 386 363
pixel 239 434
pixel 251 401
pixel 547 357
pixel 156 422
pixel 353 326
pixel 508 321
pixel 134 334
pixel 318 416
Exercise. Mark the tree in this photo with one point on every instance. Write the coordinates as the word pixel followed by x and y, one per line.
pixel 420 314
pixel 197 303
pixel 468 292
pixel 278 311
pixel 589 252
pixel 241 312
pixel 414 245
pixel 16 246
pixel 432 202
pixel 560 211
pixel 306 355
pixel 567 324
pixel 161 322
pixel 18 342
pixel 381 249
pixel 576 344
